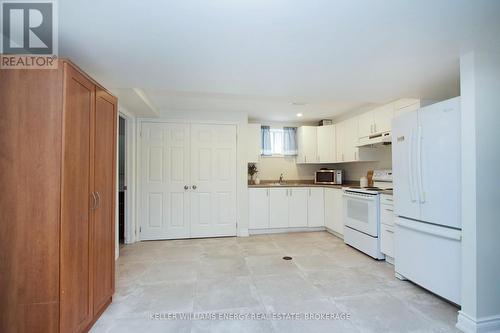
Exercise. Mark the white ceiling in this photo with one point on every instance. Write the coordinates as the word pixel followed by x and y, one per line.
pixel 258 56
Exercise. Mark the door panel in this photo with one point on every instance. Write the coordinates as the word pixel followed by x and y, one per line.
pixel 440 159
pixel 383 118
pixel 104 187
pixel 365 124
pixel 258 208
pixel 316 207
pixel 76 232
pixel 278 208
pixel 164 173
pixel 213 180
pixel 297 207
pixel 404 165
pixel 326 144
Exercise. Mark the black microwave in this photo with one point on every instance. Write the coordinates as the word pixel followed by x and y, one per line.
pixel 326 176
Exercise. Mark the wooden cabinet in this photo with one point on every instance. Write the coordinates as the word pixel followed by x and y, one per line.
pixel 326 144
pixel 253 143
pixel 258 202
pixel 58 148
pixel 334 210
pixel 316 207
pixel 307 143
pixel 104 188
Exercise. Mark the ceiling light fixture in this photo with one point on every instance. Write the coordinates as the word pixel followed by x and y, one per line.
pixel 299 115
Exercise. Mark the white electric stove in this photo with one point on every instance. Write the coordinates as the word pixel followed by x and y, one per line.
pixel 362 214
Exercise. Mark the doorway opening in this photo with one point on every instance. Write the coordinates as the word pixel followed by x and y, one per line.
pixel 122 187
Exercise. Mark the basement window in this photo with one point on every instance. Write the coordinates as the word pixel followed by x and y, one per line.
pixel 278 141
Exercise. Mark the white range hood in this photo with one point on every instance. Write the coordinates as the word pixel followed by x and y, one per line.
pixel 375 139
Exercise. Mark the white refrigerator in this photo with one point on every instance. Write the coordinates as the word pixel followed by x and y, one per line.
pixel 426 167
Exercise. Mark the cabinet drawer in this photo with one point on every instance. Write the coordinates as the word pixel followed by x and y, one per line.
pixel 387 240
pixel 386 199
pixel 387 215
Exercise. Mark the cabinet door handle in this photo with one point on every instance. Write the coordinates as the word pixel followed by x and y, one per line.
pixel 94 201
pixel 389 210
pixel 186 187
pixel 290 192
pixel 98 200
pixel 375 127
pixel 194 187
pixel 355 155
pixel 389 231
pixel 309 191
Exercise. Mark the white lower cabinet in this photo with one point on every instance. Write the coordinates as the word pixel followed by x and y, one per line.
pixel 278 208
pixel 258 202
pixel 316 207
pixel 288 207
pixel 297 203
pixel 334 218
pixel 386 225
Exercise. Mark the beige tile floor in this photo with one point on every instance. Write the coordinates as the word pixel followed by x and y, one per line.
pixel 248 275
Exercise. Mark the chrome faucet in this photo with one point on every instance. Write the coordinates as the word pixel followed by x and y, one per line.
pixel 281 181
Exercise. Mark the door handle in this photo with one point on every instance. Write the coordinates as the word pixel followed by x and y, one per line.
pixel 186 187
pixel 194 187
pixel 98 200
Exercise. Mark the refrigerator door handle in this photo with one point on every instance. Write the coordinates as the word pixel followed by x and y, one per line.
pixel 430 229
pixel 410 167
pixel 421 193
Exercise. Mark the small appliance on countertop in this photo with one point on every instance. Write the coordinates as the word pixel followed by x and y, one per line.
pixel 329 177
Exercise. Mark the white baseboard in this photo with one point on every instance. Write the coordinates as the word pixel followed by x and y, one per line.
pixel 468 324
pixel 334 233
pixel 243 233
pixel 283 230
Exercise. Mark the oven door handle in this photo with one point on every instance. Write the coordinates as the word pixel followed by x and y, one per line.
pixel 360 197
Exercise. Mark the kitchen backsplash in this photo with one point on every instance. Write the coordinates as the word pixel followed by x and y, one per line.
pixel 270 168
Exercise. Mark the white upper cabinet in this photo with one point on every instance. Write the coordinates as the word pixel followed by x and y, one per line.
pixel 340 141
pixel 326 144
pixel 365 123
pixel 307 142
pixel 379 119
pixel 382 117
pixel 253 143
pixel 376 121
pixel 351 140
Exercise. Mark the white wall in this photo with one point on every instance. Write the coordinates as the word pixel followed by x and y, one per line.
pixel 480 97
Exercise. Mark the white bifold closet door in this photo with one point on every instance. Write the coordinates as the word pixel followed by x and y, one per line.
pixel 188 180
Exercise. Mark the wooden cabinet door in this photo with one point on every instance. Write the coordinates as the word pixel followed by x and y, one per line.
pixel 76 220
pixel 104 189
